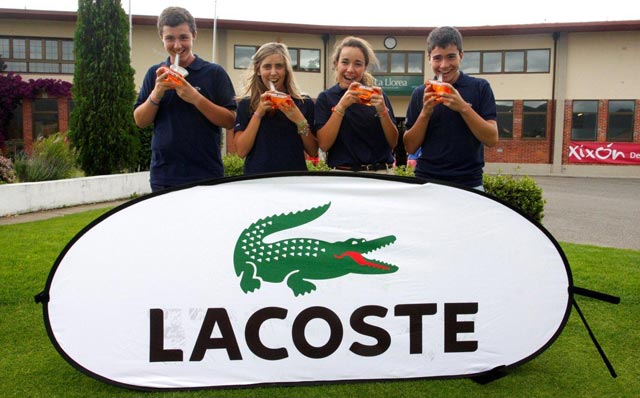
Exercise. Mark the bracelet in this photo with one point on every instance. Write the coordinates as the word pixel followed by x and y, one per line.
pixel 303 127
pixel 384 112
pixel 255 114
pixel 338 110
pixel 152 101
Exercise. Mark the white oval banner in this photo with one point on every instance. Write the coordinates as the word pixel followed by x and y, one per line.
pixel 306 278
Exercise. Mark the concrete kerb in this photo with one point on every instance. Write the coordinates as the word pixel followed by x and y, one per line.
pixel 31 197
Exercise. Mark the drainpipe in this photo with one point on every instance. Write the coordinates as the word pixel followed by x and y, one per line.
pixel 552 131
pixel 325 43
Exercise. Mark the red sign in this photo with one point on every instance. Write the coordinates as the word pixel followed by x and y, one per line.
pixel 604 152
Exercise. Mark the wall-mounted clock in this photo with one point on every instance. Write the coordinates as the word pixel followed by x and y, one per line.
pixel 390 42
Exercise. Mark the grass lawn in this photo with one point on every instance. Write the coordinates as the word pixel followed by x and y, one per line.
pixel 31 367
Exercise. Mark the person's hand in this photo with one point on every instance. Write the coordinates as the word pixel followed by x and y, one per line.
pixel 429 100
pixel 264 105
pixel 453 100
pixel 291 111
pixel 350 97
pixel 162 82
pixel 377 100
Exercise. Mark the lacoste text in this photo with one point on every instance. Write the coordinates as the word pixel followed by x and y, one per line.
pixel 414 314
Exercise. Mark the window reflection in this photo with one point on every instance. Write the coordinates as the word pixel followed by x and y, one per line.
pixel 534 119
pixel 585 120
pixel 492 62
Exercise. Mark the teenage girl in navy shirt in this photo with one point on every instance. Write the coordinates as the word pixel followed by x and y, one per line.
pixel 273 139
pixel 356 137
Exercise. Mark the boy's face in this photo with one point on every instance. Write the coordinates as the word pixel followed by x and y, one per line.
pixel 178 40
pixel 446 62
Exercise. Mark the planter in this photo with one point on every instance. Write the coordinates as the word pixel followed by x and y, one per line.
pixel 34 196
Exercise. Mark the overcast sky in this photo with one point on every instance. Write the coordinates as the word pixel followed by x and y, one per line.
pixel 424 13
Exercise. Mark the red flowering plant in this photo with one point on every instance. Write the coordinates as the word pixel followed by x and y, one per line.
pixel 13 90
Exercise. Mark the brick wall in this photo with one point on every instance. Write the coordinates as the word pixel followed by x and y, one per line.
pixel 519 149
pixel 27 125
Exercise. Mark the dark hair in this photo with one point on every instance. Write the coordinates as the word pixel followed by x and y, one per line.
pixel 174 16
pixel 442 37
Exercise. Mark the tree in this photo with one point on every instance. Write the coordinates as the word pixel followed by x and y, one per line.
pixel 102 129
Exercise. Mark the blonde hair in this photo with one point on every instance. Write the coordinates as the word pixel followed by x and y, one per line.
pixel 254 86
pixel 367 51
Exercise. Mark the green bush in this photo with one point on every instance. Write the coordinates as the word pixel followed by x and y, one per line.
pixel 404 171
pixel 320 166
pixel 51 159
pixel 7 175
pixel 142 158
pixel 233 165
pixel 523 193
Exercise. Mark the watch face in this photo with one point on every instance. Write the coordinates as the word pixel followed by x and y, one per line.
pixel 390 42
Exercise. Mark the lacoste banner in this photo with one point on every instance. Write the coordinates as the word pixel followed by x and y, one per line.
pixel 306 278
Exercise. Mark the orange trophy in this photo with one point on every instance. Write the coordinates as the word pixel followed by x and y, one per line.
pixel 438 87
pixel 278 98
pixel 365 93
pixel 174 71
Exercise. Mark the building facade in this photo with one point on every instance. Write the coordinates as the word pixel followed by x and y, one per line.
pixel 568 94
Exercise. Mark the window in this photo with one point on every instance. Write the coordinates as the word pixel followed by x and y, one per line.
pixel 306 60
pixel 620 126
pixel 534 119
pixel 514 61
pixel 45 117
pixel 492 62
pixel 399 63
pixel 302 59
pixel 505 119
pixel 14 142
pixel 383 62
pixel 37 55
pixel 507 61
pixel 471 62
pixel 242 56
pixel 585 120
pixel 538 61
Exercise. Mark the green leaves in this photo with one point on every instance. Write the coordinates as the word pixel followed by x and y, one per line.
pixel 102 127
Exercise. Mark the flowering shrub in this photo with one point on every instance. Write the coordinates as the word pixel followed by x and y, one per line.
pixel 52 159
pixel 7 174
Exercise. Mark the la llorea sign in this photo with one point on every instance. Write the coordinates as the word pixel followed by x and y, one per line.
pixel 306 278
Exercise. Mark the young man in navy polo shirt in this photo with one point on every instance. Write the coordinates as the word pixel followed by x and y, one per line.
pixel 187 111
pixel 451 128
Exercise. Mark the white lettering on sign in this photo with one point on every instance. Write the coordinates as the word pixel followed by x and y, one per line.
pixel 601 153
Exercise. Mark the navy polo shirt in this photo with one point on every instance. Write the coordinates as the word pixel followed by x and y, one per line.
pixel 450 151
pixel 360 139
pixel 185 145
pixel 278 146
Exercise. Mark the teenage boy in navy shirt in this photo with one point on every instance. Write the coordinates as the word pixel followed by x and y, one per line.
pixel 188 114
pixel 451 128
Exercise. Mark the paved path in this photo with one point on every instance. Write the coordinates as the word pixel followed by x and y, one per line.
pixel 595 211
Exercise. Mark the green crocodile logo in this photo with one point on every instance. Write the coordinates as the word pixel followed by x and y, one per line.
pixel 299 259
